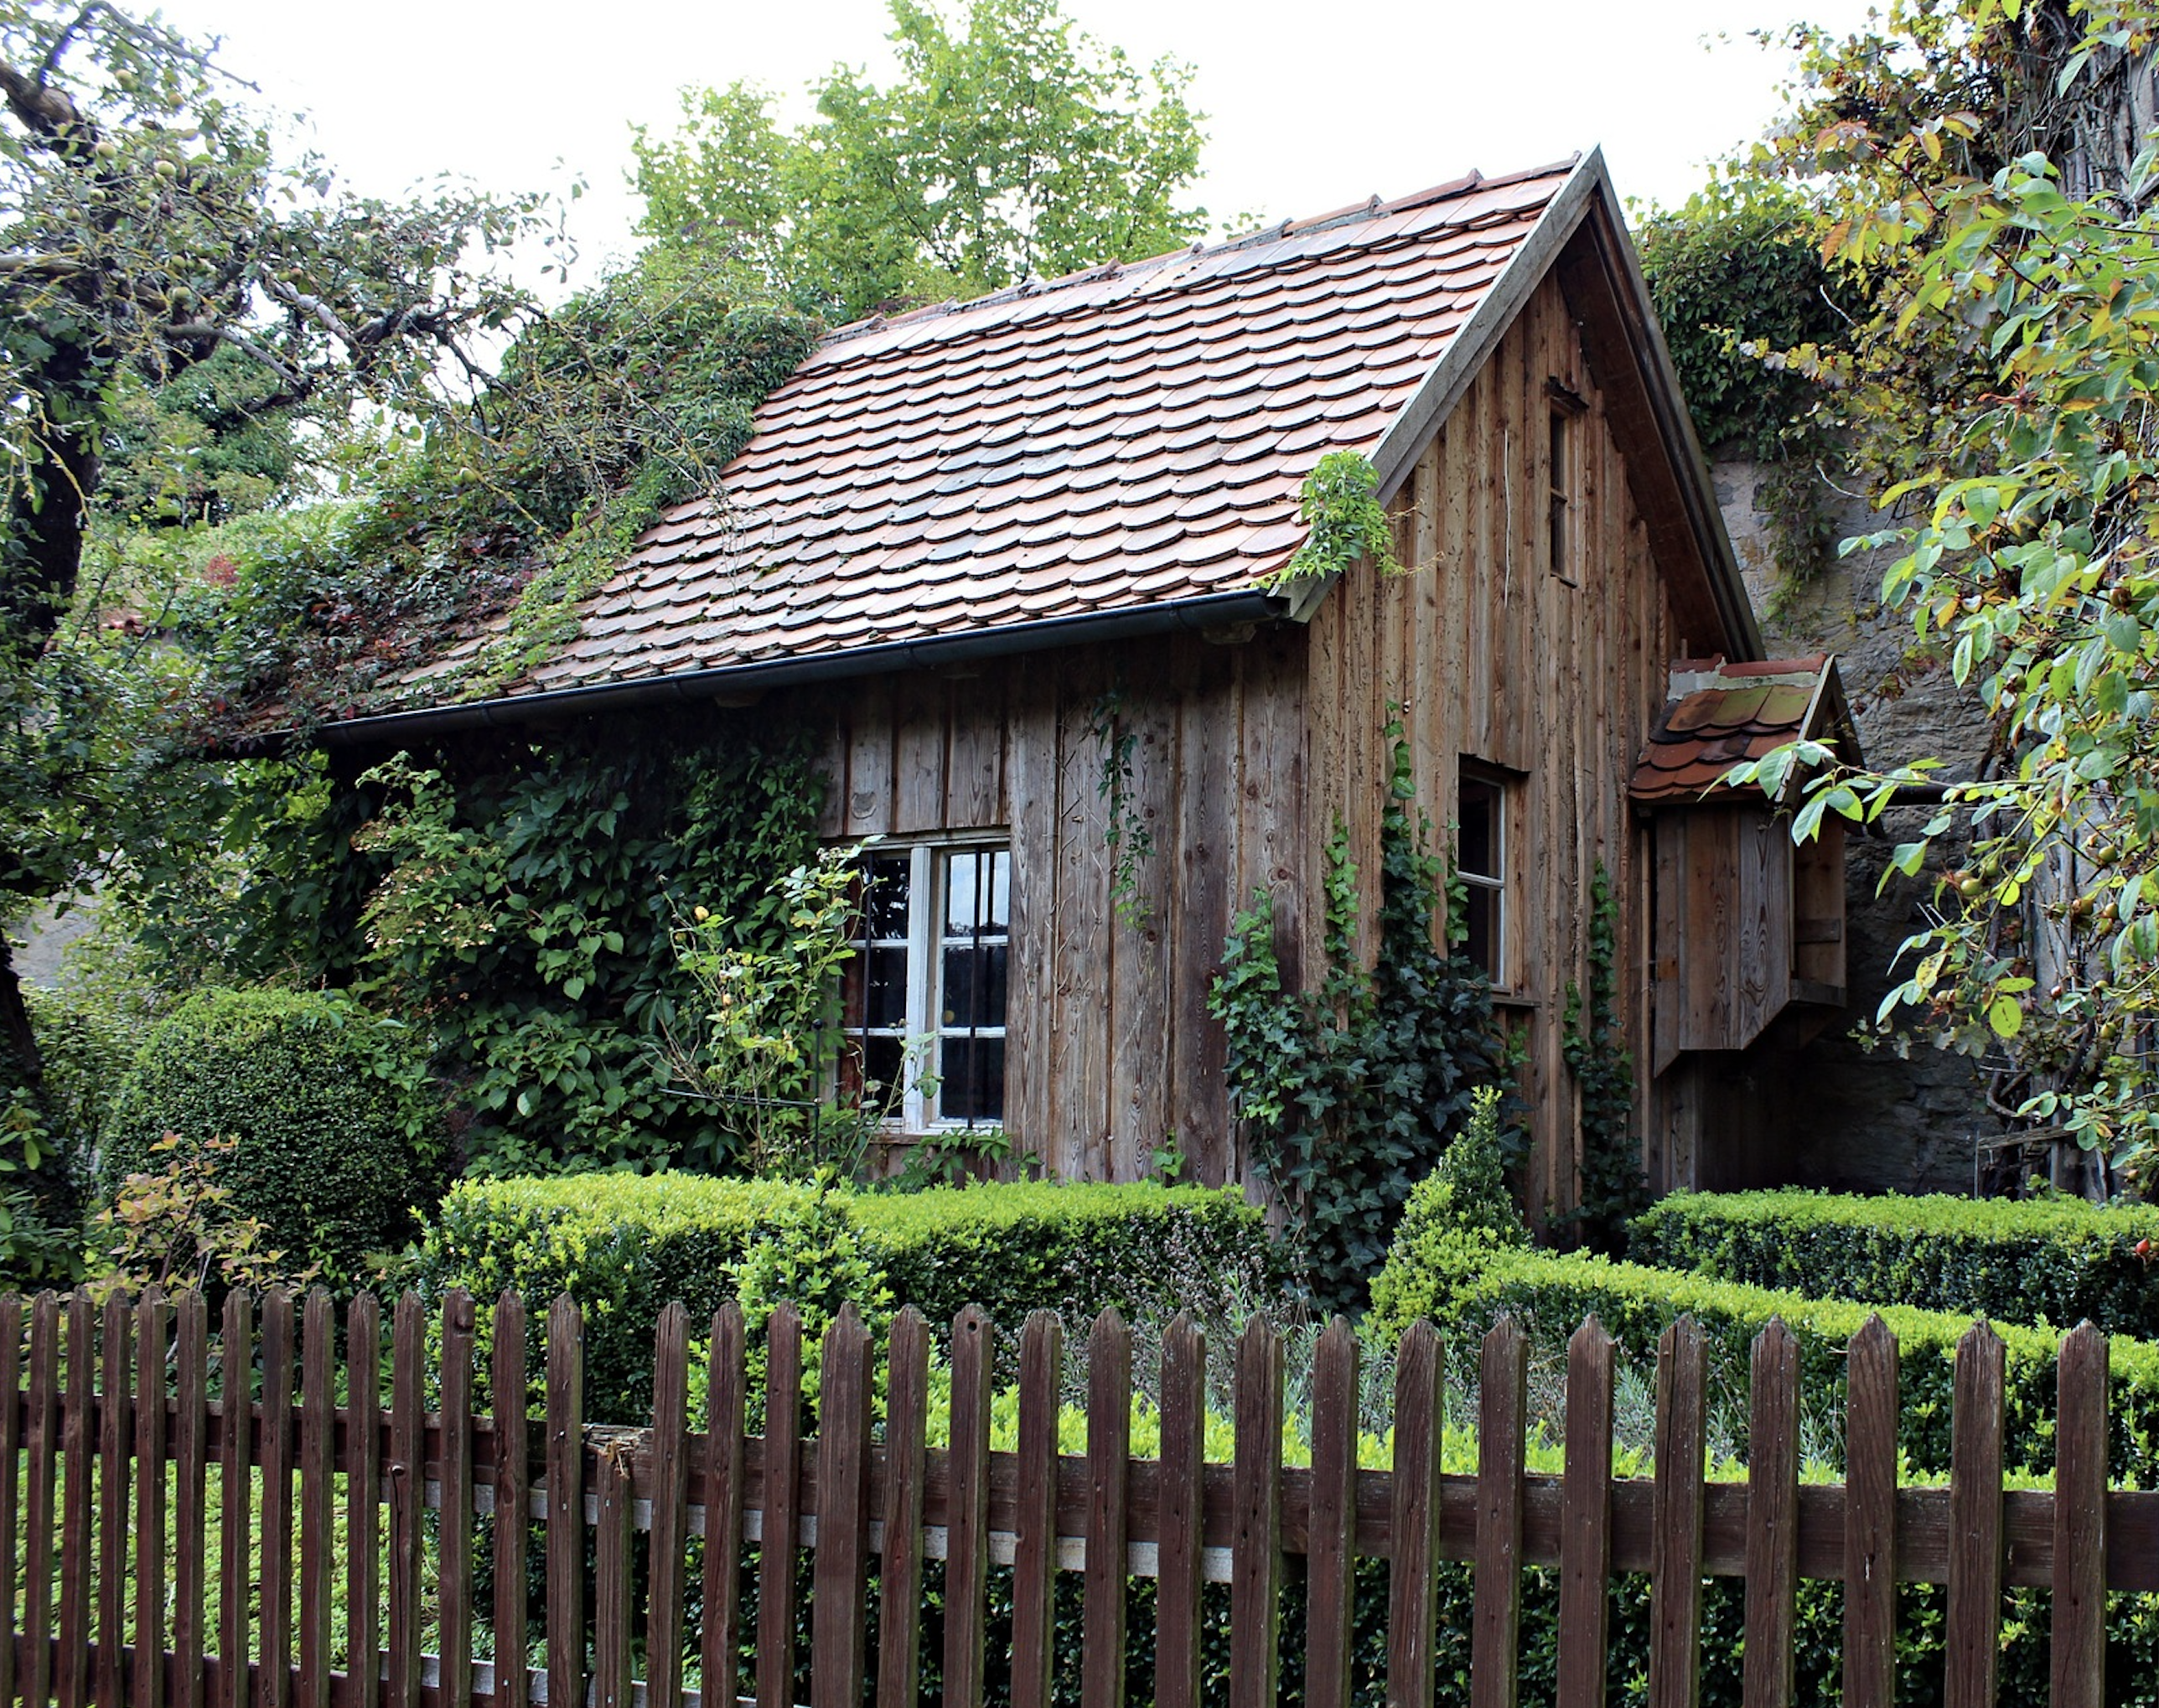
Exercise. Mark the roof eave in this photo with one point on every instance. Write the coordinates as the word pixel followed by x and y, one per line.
pixel 424 723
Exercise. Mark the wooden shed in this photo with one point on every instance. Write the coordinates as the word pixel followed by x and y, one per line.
pixel 970 545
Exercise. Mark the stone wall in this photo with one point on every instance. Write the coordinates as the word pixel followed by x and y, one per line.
pixel 1842 1116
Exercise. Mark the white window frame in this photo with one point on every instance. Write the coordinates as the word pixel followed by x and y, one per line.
pixel 925 960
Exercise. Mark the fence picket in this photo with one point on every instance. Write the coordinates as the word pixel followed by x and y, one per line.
pixel 1255 1568
pixel 235 1480
pixel 1178 1509
pixel 508 1401
pixel 725 1408
pixel 191 1496
pixel 454 1524
pixel 899 1571
pixel 1109 1469
pixel 11 1449
pixel 153 1328
pixel 1586 1520
pixel 78 1448
pixel 840 1601
pixel 273 1688
pixel 1034 1524
pixel 115 1425
pixel 1974 1618
pixel 42 1435
pixel 317 1493
pixel 1331 1544
pixel 1870 1518
pixel 782 1518
pixel 1503 1407
pixel 668 1542
pixel 408 1472
pixel 2078 1658
pixel 566 1504
pixel 1675 1555
pixel 611 1604
pixel 1412 1576
pixel 1772 1517
pixel 967 1528
pixel 363 1503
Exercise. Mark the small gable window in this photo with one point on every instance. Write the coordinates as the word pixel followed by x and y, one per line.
pixel 928 1009
pixel 1480 854
pixel 1563 413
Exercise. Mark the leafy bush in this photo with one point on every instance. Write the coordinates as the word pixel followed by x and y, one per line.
pixel 623 1246
pixel 2041 1262
pixel 1465 1291
pixel 337 1135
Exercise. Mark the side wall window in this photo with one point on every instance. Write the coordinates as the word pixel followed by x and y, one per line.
pixel 933 964
pixel 1481 863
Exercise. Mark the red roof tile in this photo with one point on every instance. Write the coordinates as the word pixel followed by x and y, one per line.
pixel 1720 715
pixel 1130 436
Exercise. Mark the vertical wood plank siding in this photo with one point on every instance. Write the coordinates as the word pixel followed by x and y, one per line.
pixel 1245 747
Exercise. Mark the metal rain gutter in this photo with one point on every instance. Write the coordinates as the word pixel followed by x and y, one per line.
pixel 1215 611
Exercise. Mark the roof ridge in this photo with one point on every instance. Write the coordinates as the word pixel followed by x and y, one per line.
pixel 1371 209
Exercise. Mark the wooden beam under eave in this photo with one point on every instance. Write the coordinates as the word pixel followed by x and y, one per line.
pixel 1613 338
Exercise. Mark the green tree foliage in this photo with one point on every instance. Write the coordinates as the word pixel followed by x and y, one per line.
pixel 1011 146
pixel 2008 372
pixel 166 284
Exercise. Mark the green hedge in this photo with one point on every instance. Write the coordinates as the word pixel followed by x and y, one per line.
pixel 338 1135
pixel 1465 1289
pixel 624 1246
pixel 2041 1262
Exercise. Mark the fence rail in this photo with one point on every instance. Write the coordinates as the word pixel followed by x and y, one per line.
pixel 104 1511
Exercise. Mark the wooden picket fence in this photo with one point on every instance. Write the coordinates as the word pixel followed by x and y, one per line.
pixel 105 1513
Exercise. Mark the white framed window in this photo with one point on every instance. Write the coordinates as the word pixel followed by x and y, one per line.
pixel 1480 862
pixel 927 1012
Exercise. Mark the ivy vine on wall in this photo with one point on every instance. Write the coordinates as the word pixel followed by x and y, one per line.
pixel 1613 1188
pixel 1351 1092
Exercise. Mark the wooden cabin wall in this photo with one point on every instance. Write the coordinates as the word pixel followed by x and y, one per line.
pixel 1496 658
pixel 1723 927
pixel 1109 1053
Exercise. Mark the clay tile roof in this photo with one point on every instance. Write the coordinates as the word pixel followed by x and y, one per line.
pixel 1125 437
pixel 1720 714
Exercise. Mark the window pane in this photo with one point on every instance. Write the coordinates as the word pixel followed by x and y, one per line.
pixel 1481 915
pixel 884 897
pixel 881 1063
pixel 997 914
pixel 973 1074
pixel 887 991
pixel 974 984
pixel 1479 846
pixel 961 872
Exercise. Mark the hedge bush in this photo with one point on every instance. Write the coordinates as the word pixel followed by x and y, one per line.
pixel 2041 1262
pixel 624 1246
pixel 1466 1288
pixel 338 1134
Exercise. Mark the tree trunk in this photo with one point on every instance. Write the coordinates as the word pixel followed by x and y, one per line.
pixel 23 1070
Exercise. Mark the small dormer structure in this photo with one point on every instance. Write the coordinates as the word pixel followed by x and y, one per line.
pixel 1745 925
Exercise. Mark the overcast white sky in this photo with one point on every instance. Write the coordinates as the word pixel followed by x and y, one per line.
pixel 1312 104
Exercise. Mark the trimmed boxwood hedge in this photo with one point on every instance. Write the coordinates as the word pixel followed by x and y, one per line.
pixel 624 1246
pixel 338 1131
pixel 2052 1262
pixel 1466 1288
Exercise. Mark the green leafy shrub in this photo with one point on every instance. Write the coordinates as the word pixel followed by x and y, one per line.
pixel 623 1246
pixel 2041 1262
pixel 1466 1290
pixel 338 1134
